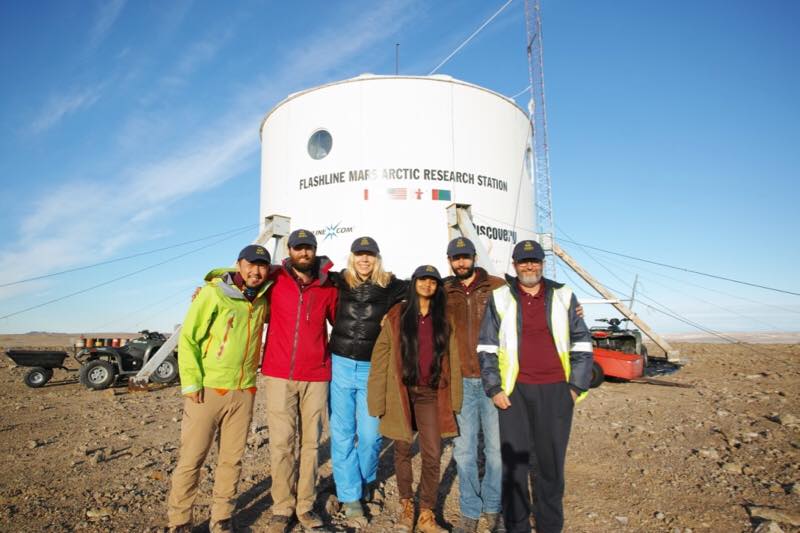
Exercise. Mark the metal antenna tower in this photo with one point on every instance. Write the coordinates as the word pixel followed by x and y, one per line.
pixel 539 154
pixel 539 159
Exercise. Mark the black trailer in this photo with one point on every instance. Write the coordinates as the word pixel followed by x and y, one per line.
pixel 42 363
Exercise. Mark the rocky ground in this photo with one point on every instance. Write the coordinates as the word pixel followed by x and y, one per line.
pixel 719 453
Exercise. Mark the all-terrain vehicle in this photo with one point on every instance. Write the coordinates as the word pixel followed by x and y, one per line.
pixel 618 351
pixel 102 367
pixel 614 337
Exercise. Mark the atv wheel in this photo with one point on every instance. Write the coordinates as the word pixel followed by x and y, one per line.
pixel 167 371
pixel 597 375
pixel 645 358
pixel 37 377
pixel 97 374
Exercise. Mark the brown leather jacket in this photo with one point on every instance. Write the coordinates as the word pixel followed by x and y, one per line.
pixel 466 312
pixel 387 395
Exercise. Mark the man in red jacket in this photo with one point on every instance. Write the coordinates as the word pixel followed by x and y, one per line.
pixel 298 369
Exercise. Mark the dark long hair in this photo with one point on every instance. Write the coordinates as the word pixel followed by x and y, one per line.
pixel 409 339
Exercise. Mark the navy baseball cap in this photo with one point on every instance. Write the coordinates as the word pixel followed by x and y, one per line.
pixel 526 250
pixel 365 244
pixel 426 271
pixel 254 253
pixel 302 236
pixel 460 246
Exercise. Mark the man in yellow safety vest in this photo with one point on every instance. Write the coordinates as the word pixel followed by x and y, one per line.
pixel 535 354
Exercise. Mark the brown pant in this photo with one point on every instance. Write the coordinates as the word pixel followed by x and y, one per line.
pixel 287 401
pixel 230 414
pixel 425 414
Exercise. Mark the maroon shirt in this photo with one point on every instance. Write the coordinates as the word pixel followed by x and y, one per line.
pixel 472 286
pixel 425 348
pixel 538 357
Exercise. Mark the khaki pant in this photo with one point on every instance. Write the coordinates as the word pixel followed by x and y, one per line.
pixel 288 401
pixel 230 414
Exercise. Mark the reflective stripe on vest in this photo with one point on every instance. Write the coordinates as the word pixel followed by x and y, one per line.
pixel 507 358
pixel 559 325
pixel 508 340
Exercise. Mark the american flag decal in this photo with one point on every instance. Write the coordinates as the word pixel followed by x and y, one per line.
pixel 398 193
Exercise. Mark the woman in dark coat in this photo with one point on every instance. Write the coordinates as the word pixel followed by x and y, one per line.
pixel 366 292
pixel 415 385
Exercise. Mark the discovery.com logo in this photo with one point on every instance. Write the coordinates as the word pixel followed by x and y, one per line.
pixel 332 230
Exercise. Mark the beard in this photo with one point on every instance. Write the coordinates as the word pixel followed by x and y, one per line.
pixel 529 279
pixel 466 275
pixel 305 268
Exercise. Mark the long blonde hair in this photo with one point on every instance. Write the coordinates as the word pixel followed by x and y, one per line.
pixel 378 276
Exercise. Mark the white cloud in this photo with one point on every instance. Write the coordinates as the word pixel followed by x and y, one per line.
pixel 331 48
pixel 421 64
pixel 62 105
pixel 104 19
pixel 203 162
pixel 198 54
pixel 115 219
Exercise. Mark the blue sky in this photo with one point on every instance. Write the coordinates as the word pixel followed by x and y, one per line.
pixel 132 126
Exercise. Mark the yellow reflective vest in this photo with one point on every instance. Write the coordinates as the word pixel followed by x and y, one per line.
pixel 498 346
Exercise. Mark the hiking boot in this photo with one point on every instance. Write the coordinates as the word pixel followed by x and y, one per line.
pixel 495 523
pixel 279 523
pixel 310 520
pixel 183 528
pixel 353 509
pixel 373 493
pixel 223 526
pixel 466 525
pixel 354 514
pixel 427 523
pixel 406 522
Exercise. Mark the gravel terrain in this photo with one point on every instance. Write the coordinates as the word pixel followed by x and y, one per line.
pixel 720 452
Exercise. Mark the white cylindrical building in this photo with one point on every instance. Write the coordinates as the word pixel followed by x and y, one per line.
pixel 385 155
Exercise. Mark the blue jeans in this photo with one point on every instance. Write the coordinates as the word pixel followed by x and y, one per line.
pixel 478 412
pixel 355 462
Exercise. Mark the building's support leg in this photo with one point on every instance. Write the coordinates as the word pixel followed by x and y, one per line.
pixel 459 224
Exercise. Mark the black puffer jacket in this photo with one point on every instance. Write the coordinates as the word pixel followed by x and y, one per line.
pixel 359 313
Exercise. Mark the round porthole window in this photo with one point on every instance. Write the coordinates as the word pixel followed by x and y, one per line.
pixel 320 144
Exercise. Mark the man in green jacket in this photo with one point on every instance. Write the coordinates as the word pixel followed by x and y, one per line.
pixel 218 355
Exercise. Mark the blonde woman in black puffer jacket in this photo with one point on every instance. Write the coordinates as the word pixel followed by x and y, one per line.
pixel 366 293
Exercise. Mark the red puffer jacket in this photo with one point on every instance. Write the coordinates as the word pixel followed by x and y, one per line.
pixel 297 336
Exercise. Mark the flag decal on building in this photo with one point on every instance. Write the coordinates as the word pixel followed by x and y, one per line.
pixel 398 193
pixel 440 194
